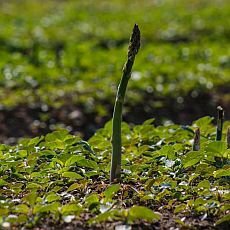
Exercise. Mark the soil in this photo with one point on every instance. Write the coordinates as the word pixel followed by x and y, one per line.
pixel 30 121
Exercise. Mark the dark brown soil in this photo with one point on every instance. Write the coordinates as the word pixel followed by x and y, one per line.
pixel 26 121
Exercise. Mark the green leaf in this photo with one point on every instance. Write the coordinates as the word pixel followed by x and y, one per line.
pixel 30 198
pixel 71 209
pixel 73 187
pixel 167 151
pixel 73 159
pixel 57 135
pixel 222 172
pixel 218 148
pixel 72 175
pixel 203 123
pixel 92 199
pixel 180 208
pixel 149 121
pixel 88 164
pixel 2 182
pixel 192 158
pixel 204 184
pixel 4 211
pixel 106 216
pixel 224 219
pixel 52 197
pixel 22 153
pixel 141 212
pixel 22 208
pixel 53 207
pixel 111 191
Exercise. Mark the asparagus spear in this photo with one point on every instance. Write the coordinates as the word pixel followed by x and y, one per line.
pixel 134 45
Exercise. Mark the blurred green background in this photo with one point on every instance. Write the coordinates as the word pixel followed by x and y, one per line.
pixel 61 61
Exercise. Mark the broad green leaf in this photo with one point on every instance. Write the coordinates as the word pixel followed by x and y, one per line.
pixel 30 198
pixel 111 191
pixel 71 209
pixel 73 187
pixel 204 184
pixel 34 186
pixel 92 199
pixel 218 148
pixel 141 212
pixel 47 153
pixel 199 201
pixel 57 135
pixel 22 208
pixel 53 207
pixel 222 172
pixel 22 153
pixel 72 175
pixel 88 164
pixel 149 121
pixel 167 151
pixel 192 158
pixel 203 123
pixel 52 197
pixel 73 159
pixel 3 182
pixel 55 145
pixel 180 208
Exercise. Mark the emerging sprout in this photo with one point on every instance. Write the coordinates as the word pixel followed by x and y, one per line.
pixel 196 142
pixel 228 137
pixel 134 45
pixel 220 121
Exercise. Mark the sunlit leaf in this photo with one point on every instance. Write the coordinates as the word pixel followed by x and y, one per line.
pixel 71 209
pixel 140 212
pixel 222 172
pixel 111 191
pixel 72 175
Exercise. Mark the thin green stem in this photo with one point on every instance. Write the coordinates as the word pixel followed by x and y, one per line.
pixel 134 45
pixel 220 121
pixel 196 142
pixel 228 137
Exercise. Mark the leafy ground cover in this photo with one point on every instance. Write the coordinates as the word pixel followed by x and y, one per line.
pixel 60 180
pixel 183 64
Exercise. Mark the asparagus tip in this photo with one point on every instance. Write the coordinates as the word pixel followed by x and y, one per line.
pixel 220 112
pixel 134 43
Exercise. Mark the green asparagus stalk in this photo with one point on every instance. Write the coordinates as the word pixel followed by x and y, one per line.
pixel 220 120
pixel 228 137
pixel 196 142
pixel 134 45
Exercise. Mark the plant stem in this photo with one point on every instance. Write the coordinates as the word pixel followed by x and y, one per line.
pixel 228 137
pixel 220 120
pixel 196 142
pixel 134 45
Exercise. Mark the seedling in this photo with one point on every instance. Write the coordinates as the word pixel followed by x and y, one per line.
pixel 220 120
pixel 196 142
pixel 134 45
pixel 228 137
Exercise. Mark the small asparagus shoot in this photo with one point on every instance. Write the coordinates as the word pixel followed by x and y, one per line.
pixel 228 137
pixel 220 120
pixel 134 45
pixel 196 142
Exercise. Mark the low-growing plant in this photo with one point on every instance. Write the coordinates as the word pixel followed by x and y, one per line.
pixel 60 180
